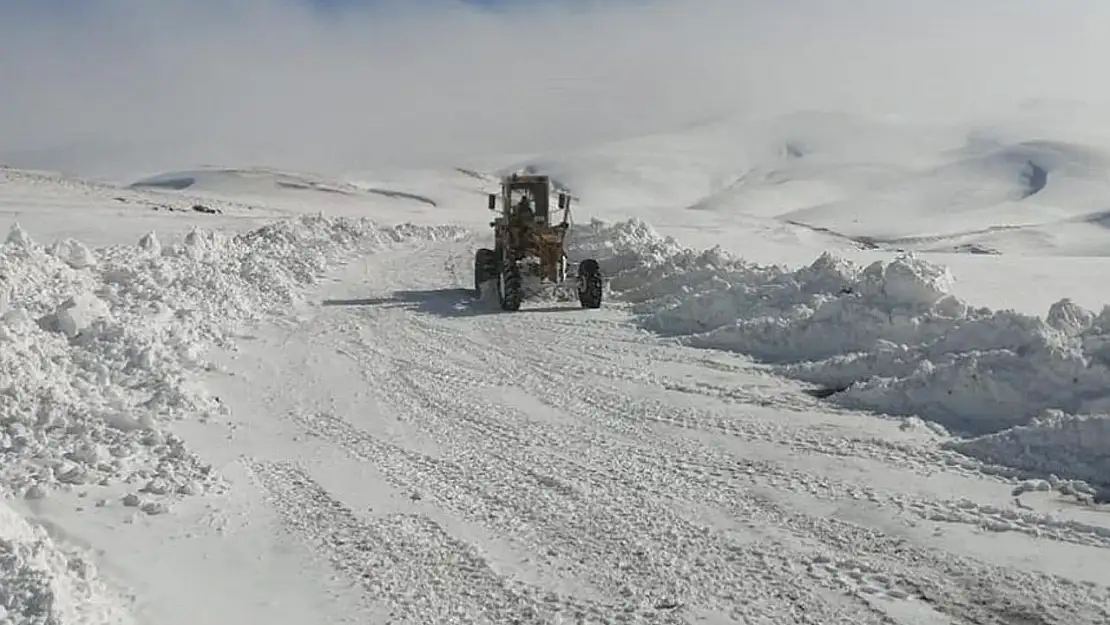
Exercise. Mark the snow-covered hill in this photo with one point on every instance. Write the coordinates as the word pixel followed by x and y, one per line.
pixel 269 185
pixel 247 395
pixel 1013 189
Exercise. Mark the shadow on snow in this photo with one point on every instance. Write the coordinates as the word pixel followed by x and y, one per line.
pixel 446 303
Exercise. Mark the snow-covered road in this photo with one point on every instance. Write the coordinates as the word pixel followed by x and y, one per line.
pixel 324 425
pixel 443 462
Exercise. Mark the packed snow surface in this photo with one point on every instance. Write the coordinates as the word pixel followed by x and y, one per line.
pixel 247 395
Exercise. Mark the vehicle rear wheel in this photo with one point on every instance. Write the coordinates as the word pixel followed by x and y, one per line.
pixel 485 269
pixel 589 284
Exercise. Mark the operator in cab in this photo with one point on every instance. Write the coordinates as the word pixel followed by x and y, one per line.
pixel 524 211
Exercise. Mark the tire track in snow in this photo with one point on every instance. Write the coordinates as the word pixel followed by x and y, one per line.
pixel 626 414
pixel 564 464
pixel 559 364
pixel 526 344
pixel 611 351
pixel 520 478
pixel 625 543
pixel 409 566
pixel 1000 602
pixel 678 479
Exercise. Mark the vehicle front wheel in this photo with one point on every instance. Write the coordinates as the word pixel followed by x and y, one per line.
pixel 510 287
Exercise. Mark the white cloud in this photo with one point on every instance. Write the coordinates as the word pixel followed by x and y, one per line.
pixel 173 84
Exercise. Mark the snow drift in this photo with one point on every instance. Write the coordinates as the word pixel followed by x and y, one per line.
pixel 889 337
pixel 97 346
pixel 42 583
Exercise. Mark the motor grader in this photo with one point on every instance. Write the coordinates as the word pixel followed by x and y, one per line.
pixel 529 252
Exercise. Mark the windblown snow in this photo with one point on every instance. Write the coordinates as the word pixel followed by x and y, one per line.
pixel 328 408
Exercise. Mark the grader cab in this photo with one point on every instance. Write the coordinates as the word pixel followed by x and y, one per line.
pixel 529 249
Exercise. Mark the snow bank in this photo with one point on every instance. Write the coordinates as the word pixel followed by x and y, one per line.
pixel 889 337
pixel 96 347
pixel 1054 443
pixel 42 584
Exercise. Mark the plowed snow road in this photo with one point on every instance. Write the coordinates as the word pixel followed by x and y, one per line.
pixel 447 463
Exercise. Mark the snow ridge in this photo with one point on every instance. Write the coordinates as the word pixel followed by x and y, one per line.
pixel 96 346
pixel 889 337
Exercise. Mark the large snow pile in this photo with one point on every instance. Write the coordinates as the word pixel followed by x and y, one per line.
pixel 888 337
pixel 96 347
pixel 42 585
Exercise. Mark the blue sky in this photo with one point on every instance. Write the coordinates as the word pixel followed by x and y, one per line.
pixel 169 83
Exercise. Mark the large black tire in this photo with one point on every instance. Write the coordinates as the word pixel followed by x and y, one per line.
pixel 589 284
pixel 510 287
pixel 485 268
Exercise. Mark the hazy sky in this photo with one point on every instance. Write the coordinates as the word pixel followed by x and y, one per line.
pixel 157 84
